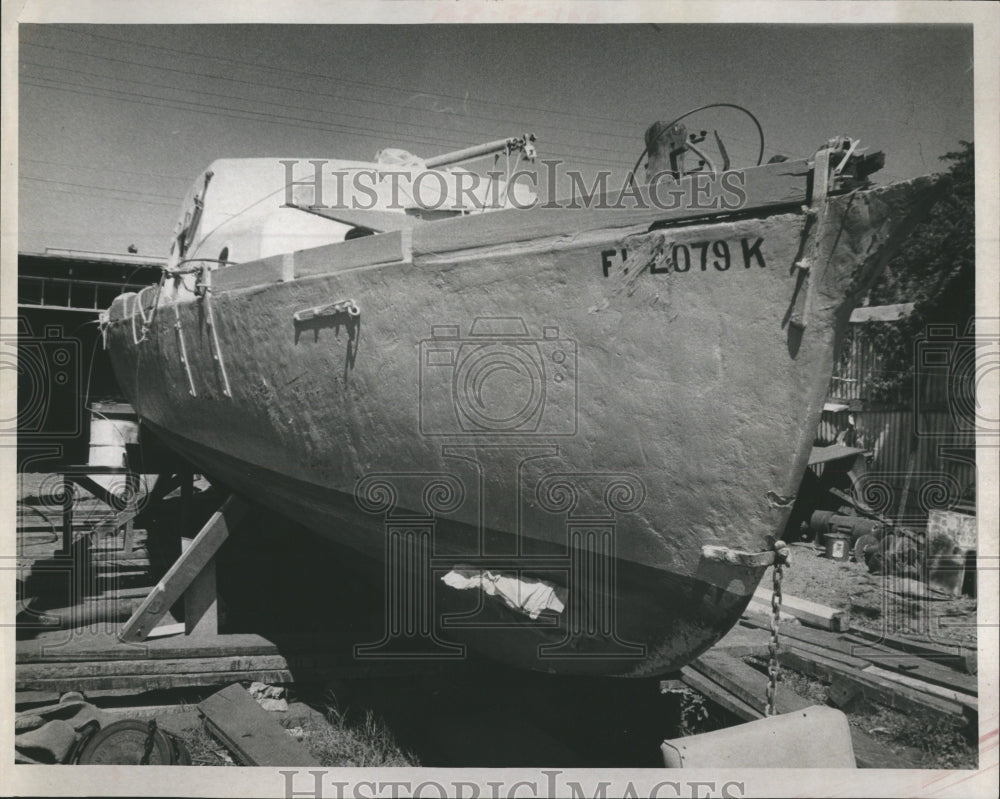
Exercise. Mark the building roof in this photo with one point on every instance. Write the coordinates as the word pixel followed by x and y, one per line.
pixel 93 257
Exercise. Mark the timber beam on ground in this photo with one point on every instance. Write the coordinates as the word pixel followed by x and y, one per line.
pixel 852 667
pixel 101 662
pixel 740 689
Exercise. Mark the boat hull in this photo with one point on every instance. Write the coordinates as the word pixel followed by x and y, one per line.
pixel 577 414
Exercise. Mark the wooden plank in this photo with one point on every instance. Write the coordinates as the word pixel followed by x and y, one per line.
pixel 326 259
pixel 254 737
pixel 916 667
pixel 262 272
pixel 767 187
pixel 741 641
pixel 29 673
pixel 725 699
pixel 950 694
pixel 381 222
pixel 141 683
pixel 959 658
pixel 383 248
pixel 184 570
pixel 744 681
pixel 807 612
pixel 173 628
pixel 856 648
pixel 825 641
pixel 747 687
pixel 882 313
pixel 201 602
pixel 840 657
pixel 107 647
pixel 870 686
pixel 90 484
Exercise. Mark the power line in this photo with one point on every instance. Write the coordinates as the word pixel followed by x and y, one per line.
pixel 176 200
pixel 240 114
pixel 384 87
pixel 104 169
pixel 338 78
pixel 370 84
pixel 116 199
pixel 268 102
pixel 313 92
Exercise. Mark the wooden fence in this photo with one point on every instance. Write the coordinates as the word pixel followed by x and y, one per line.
pixel 919 424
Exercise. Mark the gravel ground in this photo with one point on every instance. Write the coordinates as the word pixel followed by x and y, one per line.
pixel 879 603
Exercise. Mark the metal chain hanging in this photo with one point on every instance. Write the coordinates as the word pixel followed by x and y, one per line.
pixel 781 559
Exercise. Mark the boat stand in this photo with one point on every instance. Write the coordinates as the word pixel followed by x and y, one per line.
pixel 192 576
pixel 124 518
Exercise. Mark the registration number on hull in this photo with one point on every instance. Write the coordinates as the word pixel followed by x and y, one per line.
pixel 699 256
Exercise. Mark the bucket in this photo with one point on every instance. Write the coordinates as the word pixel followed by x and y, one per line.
pixel 838 546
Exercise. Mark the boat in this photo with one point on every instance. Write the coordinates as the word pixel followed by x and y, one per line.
pixel 566 435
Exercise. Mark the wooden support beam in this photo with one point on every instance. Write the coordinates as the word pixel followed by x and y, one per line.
pixel 914 667
pixel 90 484
pixel 164 484
pixel 160 681
pixel 745 682
pixel 254 737
pixel 739 688
pixel 184 571
pixel 201 601
pixel 811 613
pixel 847 682
pixel 960 658
pixel 854 651
pixel 724 698
pixel 31 673
pixel 69 497
pixel 919 684
pixel 100 646
pixel 186 479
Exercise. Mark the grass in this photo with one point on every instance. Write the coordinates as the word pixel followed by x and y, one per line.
pixel 937 745
pixel 204 749
pixel 339 740
pixel 333 738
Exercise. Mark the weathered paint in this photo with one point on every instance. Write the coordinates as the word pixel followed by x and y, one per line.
pixel 687 403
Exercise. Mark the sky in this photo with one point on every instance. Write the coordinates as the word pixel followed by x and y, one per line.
pixel 115 121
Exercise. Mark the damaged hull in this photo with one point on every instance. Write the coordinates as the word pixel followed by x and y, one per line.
pixel 531 433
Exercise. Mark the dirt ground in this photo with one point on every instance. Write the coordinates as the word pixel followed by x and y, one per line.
pixel 879 603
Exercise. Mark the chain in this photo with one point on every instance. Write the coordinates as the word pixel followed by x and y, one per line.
pixel 150 740
pixel 781 559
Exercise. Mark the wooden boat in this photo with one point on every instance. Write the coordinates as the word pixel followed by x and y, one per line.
pixel 566 436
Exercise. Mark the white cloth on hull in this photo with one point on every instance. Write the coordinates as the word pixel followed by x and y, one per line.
pixel 528 596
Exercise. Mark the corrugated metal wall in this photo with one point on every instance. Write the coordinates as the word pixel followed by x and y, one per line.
pixel 923 442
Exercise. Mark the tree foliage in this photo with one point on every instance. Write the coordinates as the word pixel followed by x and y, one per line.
pixel 935 269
